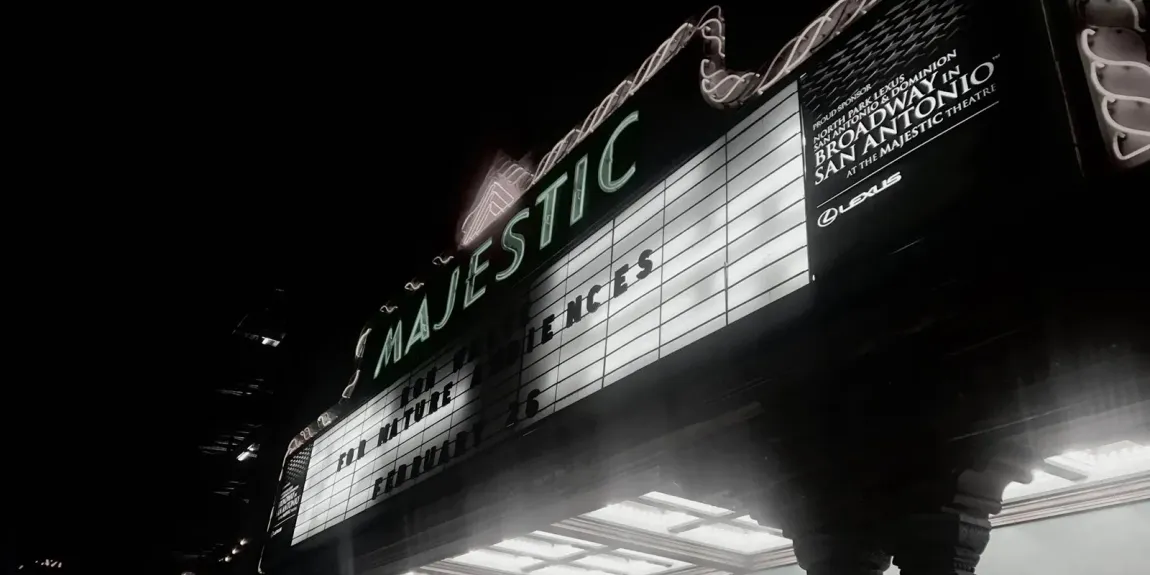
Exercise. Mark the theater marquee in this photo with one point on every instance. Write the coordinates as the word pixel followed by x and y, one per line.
pixel 722 236
pixel 625 245
pixel 654 224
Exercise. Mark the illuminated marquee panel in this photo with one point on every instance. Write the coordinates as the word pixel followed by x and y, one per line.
pixel 723 236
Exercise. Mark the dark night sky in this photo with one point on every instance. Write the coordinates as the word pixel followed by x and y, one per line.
pixel 328 151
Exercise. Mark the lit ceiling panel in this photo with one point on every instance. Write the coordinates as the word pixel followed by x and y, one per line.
pixel 687 527
pixel 687 520
pixel 661 534
pixel 542 553
pixel 640 516
pixel 1083 467
pixel 685 503
pixel 736 538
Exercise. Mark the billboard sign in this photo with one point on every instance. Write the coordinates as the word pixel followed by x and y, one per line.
pixel 910 96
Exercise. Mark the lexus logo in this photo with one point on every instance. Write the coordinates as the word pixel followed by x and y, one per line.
pixel 828 217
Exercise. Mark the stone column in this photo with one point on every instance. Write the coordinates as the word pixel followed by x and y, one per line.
pixel 836 526
pixel 841 552
pixel 946 523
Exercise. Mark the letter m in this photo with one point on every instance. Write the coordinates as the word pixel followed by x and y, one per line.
pixel 392 347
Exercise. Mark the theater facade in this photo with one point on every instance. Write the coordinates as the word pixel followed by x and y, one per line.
pixel 875 305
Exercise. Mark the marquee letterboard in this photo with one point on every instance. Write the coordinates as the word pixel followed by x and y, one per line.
pixel 724 235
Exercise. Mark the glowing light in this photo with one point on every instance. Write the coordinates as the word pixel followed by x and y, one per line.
pixel 507 183
pixel 547 198
pixel 687 503
pixel 616 564
pixel 470 294
pixel 633 514
pixel 514 243
pixel 538 548
pixel 1128 144
pixel 565 539
pixel 421 331
pixel 392 347
pixel 495 560
pixel 1086 466
pixel 735 538
pixel 725 88
pixel 413 285
pixel 442 323
pixel 607 182
pixel 500 190
pixel 579 191
pixel 350 388
pixel 362 343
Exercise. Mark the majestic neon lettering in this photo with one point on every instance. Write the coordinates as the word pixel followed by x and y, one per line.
pixel 579 190
pixel 505 185
pixel 421 331
pixel 392 347
pixel 719 86
pixel 547 198
pixel 607 183
pixel 471 295
pixel 442 323
pixel 514 243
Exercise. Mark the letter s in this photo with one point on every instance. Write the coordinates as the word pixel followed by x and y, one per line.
pixel 645 264
pixel 514 244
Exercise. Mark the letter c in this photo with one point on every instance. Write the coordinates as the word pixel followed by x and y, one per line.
pixel 607 159
pixel 592 305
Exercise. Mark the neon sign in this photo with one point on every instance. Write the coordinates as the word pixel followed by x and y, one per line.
pixel 722 87
pixel 611 175
pixel 708 237
pixel 507 183
pixel 509 180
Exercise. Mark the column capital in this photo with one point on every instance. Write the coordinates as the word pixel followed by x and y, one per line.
pixel 944 525
pixel 855 552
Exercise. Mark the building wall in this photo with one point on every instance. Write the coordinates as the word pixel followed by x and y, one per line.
pixel 1109 541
